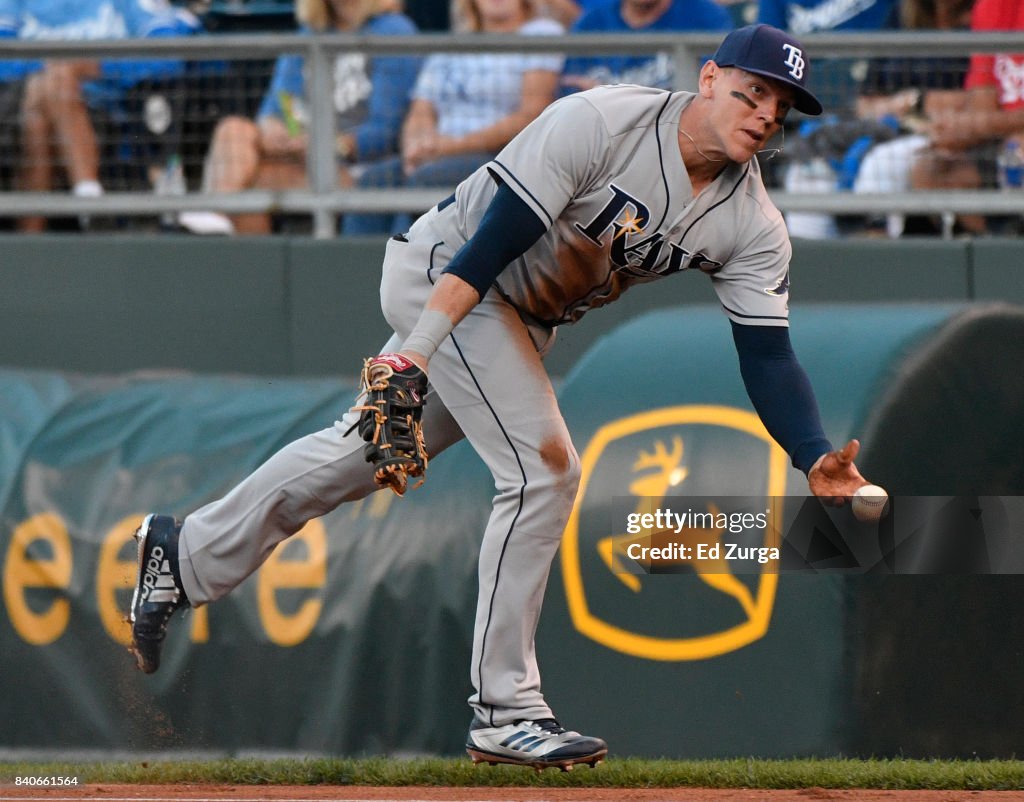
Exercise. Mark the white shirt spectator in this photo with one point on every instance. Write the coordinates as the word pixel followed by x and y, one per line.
pixel 471 91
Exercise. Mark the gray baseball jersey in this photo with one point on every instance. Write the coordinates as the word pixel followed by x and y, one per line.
pixel 603 169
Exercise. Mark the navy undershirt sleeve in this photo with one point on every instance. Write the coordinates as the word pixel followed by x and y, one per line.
pixel 781 392
pixel 508 229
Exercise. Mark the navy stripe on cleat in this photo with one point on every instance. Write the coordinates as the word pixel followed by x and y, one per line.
pixel 539 744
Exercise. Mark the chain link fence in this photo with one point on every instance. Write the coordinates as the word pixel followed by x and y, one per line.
pixel 154 132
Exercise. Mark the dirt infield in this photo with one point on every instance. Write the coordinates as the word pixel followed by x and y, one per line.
pixel 322 793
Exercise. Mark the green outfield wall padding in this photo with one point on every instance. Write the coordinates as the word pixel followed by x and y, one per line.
pixel 941 655
pixel 259 305
pixel 997 270
pixel 376 664
pixel 295 306
pixel 334 305
pixel 951 421
pixel 873 270
pixel 98 305
pixel 355 636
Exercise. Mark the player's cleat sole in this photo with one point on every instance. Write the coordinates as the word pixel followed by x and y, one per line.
pixel 565 764
pixel 541 744
pixel 158 593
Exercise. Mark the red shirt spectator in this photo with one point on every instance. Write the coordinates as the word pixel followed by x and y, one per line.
pixel 1003 71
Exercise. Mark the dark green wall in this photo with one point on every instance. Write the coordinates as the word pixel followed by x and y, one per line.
pixel 295 306
pixel 267 306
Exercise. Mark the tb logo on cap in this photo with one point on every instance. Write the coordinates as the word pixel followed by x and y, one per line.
pixel 795 61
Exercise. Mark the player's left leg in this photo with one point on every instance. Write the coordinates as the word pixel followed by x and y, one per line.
pixel 203 558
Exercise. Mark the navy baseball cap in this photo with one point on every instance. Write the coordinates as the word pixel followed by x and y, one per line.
pixel 768 51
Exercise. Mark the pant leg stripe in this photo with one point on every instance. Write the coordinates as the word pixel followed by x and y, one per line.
pixel 508 534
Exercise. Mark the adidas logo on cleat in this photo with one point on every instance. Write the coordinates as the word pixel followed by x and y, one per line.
pixel 158 580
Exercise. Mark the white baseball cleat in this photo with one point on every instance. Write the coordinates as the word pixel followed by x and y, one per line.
pixel 541 744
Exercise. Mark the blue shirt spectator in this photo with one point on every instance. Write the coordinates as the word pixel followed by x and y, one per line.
pixel 635 16
pixel 371 95
pixel 84 20
pixel 801 17
pixel 370 100
pixel 57 98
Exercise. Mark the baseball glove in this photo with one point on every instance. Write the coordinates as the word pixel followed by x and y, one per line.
pixel 393 391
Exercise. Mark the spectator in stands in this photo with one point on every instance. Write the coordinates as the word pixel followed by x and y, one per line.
pixel 638 17
pixel 907 92
pixel 58 98
pixel 963 143
pixel 904 87
pixel 801 17
pixel 871 151
pixel 465 108
pixel 371 96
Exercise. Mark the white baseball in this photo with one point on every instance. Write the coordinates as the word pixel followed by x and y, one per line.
pixel 870 503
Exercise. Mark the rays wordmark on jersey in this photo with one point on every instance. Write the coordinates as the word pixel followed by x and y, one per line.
pixel 633 253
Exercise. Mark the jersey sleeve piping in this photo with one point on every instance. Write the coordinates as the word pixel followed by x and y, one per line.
pixel 501 173
pixel 755 320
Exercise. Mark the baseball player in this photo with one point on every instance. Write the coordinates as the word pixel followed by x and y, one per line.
pixel 608 188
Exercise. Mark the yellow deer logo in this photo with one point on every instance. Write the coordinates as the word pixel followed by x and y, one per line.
pixel 653 474
pixel 650 488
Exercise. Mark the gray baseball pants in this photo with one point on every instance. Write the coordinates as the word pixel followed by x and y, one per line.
pixel 489 385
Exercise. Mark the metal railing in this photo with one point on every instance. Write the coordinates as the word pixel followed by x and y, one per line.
pixel 323 201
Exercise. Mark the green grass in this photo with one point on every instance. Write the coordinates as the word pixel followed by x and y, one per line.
pixel 616 772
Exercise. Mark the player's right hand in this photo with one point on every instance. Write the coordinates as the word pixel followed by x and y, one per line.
pixel 835 478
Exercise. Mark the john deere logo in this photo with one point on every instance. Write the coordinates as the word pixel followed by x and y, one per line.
pixel 642 462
